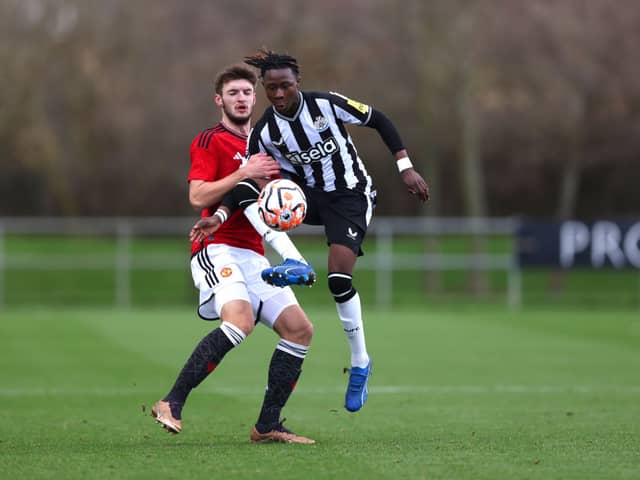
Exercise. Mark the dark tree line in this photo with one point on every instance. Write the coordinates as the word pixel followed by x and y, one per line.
pixel 507 107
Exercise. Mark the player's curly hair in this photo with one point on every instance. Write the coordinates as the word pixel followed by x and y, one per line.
pixel 234 72
pixel 266 59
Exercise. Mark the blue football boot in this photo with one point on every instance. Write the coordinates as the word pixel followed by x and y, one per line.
pixel 289 272
pixel 357 391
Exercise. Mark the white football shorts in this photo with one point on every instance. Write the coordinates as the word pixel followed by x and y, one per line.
pixel 222 273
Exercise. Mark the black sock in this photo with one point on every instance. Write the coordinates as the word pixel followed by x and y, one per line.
pixel 204 359
pixel 284 371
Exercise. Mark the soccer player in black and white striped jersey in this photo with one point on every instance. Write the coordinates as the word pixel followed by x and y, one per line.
pixel 305 132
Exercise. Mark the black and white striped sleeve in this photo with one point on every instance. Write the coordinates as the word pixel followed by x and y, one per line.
pixel 350 111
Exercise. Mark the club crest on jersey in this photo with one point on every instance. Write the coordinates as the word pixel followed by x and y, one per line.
pixel 320 123
pixel 315 153
pixel 226 272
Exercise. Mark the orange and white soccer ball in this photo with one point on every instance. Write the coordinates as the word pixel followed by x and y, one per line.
pixel 282 205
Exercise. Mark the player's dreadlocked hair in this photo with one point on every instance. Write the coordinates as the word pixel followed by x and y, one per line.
pixel 266 59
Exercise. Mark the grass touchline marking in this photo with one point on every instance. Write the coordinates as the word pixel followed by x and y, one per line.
pixel 378 390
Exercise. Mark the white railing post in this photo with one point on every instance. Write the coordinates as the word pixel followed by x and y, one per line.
pixel 123 264
pixel 384 264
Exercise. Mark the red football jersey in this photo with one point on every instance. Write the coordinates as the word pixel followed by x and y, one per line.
pixel 216 153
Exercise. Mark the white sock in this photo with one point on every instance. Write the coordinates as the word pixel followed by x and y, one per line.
pixel 351 316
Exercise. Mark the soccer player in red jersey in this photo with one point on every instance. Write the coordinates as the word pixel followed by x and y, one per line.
pixel 226 268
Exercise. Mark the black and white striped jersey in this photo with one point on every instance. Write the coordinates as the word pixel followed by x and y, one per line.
pixel 314 144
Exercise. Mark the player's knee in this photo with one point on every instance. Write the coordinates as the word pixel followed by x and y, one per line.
pixel 294 325
pixel 246 324
pixel 240 314
pixel 305 333
pixel 340 286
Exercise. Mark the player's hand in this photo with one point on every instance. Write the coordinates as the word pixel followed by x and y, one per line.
pixel 261 165
pixel 204 227
pixel 415 184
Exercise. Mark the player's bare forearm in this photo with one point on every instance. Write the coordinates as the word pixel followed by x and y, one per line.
pixel 203 194
pixel 204 227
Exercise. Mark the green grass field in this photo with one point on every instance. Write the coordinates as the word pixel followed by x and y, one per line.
pixel 468 394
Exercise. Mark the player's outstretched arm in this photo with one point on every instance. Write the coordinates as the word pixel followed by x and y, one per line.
pixel 390 136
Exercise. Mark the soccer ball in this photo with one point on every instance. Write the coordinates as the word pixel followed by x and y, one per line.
pixel 282 205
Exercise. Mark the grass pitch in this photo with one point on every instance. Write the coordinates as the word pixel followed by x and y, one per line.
pixel 462 394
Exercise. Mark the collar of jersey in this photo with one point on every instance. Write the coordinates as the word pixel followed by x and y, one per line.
pixel 295 115
pixel 232 132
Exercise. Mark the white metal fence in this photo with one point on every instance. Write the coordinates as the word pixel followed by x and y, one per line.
pixel 382 262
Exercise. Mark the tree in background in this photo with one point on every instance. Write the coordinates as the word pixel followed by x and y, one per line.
pixel 507 107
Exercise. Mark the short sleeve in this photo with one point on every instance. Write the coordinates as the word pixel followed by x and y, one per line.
pixel 203 164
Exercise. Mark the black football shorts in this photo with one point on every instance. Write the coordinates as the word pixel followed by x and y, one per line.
pixel 344 213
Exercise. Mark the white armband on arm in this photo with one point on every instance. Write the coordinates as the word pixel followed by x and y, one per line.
pixel 279 241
